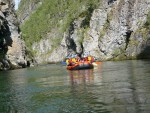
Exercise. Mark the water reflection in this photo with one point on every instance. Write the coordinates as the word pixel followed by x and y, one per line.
pixel 86 77
pixel 81 76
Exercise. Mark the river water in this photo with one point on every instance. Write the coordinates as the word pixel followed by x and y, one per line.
pixel 111 87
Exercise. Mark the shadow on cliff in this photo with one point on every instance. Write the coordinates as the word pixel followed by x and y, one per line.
pixel 5 41
pixel 145 54
pixel 111 1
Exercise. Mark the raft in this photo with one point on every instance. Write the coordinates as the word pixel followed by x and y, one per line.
pixel 80 65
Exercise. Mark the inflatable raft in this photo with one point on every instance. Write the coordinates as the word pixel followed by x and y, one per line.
pixel 80 65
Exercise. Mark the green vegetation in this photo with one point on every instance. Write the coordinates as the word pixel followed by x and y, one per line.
pixel 143 32
pixel 104 29
pixel 1 55
pixel 52 14
pixel 106 25
pixel 81 35
pixel 147 24
pixel 146 29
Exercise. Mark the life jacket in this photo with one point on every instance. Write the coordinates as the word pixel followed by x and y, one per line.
pixel 77 59
pixel 86 58
pixel 89 58
pixel 70 61
pixel 67 61
pixel 73 60
pixel 92 59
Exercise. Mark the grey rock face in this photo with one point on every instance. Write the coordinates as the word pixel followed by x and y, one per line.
pixel 114 26
pixel 12 47
pixel 50 49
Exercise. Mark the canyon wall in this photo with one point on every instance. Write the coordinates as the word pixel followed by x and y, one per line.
pixel 13 53
pixel 116 30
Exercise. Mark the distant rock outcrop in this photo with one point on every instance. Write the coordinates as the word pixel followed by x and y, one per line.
pixel 13 52
pixel 27 9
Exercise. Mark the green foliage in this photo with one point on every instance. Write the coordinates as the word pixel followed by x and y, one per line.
pixel 1 55
pixel 104 29
pixel 147 24
pixel 87 14
pixel 106 25
pixel 81 36
pixel 143 32
pixel 54 14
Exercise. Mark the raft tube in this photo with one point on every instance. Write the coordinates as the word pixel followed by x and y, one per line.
pixel 80 65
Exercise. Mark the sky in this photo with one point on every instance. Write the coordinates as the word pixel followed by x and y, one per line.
pixel 16 3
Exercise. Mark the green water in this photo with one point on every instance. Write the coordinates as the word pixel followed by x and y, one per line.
pixel 112 87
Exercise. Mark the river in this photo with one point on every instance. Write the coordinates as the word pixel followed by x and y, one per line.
pixel 111 87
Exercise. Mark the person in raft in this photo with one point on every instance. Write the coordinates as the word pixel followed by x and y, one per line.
pixel 90 59
pixel 73 61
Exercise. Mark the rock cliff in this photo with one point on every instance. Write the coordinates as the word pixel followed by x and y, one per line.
pixel 13 52
pixel 115 30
